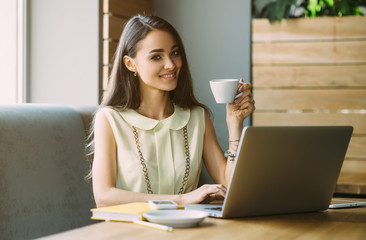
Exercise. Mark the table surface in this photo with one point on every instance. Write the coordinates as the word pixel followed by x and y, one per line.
pixel 347 223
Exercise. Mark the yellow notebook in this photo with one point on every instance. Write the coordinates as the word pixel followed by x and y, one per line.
pixel 122 213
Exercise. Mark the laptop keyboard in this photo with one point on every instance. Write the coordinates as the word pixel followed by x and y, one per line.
pixel 215 209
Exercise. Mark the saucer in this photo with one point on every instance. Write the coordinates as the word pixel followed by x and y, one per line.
pixel 176 218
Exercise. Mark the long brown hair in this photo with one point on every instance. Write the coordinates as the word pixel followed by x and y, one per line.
pixel 123 88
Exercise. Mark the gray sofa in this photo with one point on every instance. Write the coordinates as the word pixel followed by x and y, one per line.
pixel 42 169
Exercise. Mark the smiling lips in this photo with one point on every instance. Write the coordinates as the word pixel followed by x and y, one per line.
pixel 168 76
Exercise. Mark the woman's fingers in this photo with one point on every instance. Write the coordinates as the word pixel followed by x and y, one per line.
pixel 244 104
pixel 213 192
pixel 245 89
pixel 213 188
pixel 205 193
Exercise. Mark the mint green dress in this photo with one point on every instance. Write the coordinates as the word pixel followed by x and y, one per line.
pixel 162 146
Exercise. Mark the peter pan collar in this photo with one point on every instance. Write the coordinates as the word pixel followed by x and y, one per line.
pixel 176 121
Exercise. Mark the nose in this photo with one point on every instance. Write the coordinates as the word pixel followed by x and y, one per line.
pixel 169 64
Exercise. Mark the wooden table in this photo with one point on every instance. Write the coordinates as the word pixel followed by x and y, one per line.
pixel 349 223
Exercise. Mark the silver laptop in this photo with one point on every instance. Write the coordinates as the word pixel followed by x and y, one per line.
pixel 280 170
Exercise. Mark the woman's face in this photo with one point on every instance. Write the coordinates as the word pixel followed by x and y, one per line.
pixel 158 61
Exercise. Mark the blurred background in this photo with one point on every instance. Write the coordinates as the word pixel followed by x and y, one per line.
pixel 61 51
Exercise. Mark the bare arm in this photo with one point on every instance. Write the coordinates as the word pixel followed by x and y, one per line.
pixel 217 165
pixel 220 168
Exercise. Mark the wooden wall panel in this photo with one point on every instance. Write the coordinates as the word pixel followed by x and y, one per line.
pixel 356 149
pixel 357 145
pixel 309 53
pixel 354 166
pixel 128 8
pixel 115 15
pixel 113 27
pixel 323 76
pixel 313 72
pixel 309 99
pixel 352 182
pixel 358 121
pixel 109 50
pixel 323 28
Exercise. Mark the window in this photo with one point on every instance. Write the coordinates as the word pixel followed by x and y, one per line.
pixel 11 51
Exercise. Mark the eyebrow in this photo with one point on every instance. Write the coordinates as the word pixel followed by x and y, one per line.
pixel 162 50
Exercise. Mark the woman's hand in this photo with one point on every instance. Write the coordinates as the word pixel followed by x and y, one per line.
pixel 204 194
pixel 242 106
pixel 236 112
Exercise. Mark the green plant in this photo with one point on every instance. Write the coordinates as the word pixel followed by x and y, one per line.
pixel 278 9
pixel 284 9
pixel 335 7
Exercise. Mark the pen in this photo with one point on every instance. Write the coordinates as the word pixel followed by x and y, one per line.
pixel 153 225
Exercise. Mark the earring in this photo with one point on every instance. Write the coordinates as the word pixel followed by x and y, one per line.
pixel 135 74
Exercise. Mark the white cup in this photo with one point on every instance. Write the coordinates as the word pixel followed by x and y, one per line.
pixel 224 90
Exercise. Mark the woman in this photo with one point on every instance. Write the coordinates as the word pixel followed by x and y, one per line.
pixel 151 133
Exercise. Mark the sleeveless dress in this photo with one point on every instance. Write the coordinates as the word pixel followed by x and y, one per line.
pixel 162 146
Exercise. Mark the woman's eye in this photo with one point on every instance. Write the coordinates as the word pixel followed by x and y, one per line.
pixel 176 53
pixel 156 57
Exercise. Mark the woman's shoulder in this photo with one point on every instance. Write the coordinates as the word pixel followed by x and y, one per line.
pixel 197 114
pixel 198 111
pixel 201 114
pixel 192 108
pixel 110 112
pixel 109 109
pixel 190 111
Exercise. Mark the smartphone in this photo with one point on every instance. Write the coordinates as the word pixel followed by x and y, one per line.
pixel 162 204
pixel 339 203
